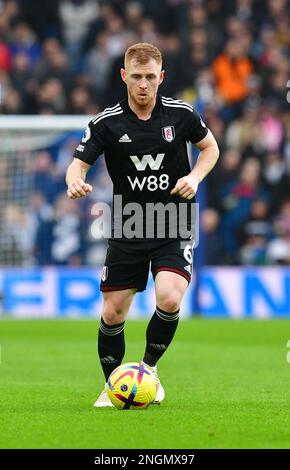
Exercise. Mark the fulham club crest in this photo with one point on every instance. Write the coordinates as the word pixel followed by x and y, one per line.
pixel 168 133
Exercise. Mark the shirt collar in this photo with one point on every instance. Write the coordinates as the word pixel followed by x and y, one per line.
pixel 155 110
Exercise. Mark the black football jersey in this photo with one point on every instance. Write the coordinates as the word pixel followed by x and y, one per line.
pixel 144 158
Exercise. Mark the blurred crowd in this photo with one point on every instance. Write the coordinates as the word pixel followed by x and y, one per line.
pixel 229 58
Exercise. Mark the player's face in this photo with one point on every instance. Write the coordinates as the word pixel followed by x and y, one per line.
pixel 142 81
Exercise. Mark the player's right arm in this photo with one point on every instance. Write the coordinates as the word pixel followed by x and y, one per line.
pixel 75 179
pixel 87 152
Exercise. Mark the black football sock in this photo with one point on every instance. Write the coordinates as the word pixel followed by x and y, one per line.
pixel 111 346
pixel 159 334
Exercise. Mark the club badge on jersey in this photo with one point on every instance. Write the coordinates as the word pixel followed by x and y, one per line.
pixel 168 133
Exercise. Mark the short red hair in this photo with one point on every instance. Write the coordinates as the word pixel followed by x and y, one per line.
pixel 142 52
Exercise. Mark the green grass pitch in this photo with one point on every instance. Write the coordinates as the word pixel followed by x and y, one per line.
pixel 227 386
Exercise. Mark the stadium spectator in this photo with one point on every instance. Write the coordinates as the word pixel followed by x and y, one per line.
pixel 245 133
pixel 256 234
pixel 198 20
pixel 54 63
pixel 97 66
pixel 215 252
pixel 59 240
pixel 227 171
pixel 15 236
pixel 5 57
pixel 237 198
pixel 276 181
pixel 232 70
pixel 23 39
pixel 45 176
pixel 278 250
pixel 75 17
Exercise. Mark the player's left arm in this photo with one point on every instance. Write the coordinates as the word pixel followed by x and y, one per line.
pixel 208 156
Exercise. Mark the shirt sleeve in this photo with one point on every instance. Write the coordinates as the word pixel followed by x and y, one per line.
pixel 92 143
pixel 195 128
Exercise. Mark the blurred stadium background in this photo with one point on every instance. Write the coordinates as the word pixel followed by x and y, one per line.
pixel 59 65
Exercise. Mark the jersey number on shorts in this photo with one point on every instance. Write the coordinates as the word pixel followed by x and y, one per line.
pixel 187 253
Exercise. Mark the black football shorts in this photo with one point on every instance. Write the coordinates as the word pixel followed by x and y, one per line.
pixel 127 263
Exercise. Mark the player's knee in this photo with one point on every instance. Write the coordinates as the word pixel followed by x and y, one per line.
pixel 112 315
pixel 169 301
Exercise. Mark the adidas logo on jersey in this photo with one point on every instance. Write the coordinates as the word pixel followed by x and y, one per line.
pixel 125 138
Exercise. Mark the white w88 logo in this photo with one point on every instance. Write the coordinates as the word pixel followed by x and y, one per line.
pixel 152 182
